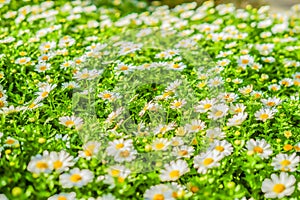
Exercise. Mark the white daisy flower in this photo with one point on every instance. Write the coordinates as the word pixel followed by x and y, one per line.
pixel 76 178
pixel 118 145
pixel 176 104
pixel 69 122
pixel 223 147
pixel 160 144
pixel 264 114
pixel 286 162
pixel 259 147
pixel 90 149
pixel 174 170
pixel 205 105
pixel 218 111
pixel 40 164
pixel 61 161
pixel 278 186
pixel 215 133
pixel 195 126
pixel 271 101
pixel 183 151
pixel 207 160
pixel 159 192
pixel 63 196
pixel 237 119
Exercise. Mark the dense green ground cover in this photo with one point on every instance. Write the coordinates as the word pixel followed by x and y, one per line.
pixel 225 80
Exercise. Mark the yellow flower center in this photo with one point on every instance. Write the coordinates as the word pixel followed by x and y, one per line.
pixel 278 188
pixel 258 149
pixel 1 104
pixel 86 75
pixel 115 172
pixel 208 161
pixel 177 104
pixel 158 197
pixel 61 198
pixel 219 148
pixel 43 68
pixel 119 146
pixel 219 113
pixel 264 116
pixel 69 123
pixel 174 174
pixel 44 94
pixel 159 146
pixel 107 96
pixel 183 152
pixel 45 57
pixel 75 178
pixel 125 153
pixel 124 67
pixel 176 66
pixel 57 164
pixel 41 165
pixel 245 61
pixel 22 60
pixel 271 103
pixel 10 141
pixel 285 163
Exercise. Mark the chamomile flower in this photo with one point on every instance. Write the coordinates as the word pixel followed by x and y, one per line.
pixel 63 196
pixel 177 66
pixel 118 145
pixel 76 178
pixel 183 151
pixel 218 111
pixel 286 162
pixel 61 161
pixel 23 60
pixel 264 114
pixel 11 142
pixel 237 119
pixel 174 170
pixel 90 149
pixel 286 82
pixel 162 128
pixel 274 87
pixel 40 164
pixel 125 155
pixel 271 101
pixel 42 67
pixel 215 133
pixel 259 147
pixel 44 91
pixel 159 192
pixel 206 161
pixel 107 95
pixel 160 144
pixel 71 121
pixel 278 186
pixel 245 60
pixel 70 85
pixel 237 108
pixel 223 147
pixel 176 104
pixel 205 105
pixel 195 126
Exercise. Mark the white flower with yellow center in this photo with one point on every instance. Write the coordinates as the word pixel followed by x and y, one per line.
pixel 71 121
pixel 40 164
pixel 63 196
pixel 90 149
pixel 61 161
pixel 76 178
pixel 286 162
pixel 237 120
pixel 259 147
pixel 278 186
pixel 160 144
pixel 205 105
pixel 183 151
pixel 264 114
pixel 223 147
pixel 207 160
pixel 159 192
pixel 195 126
pixel 174 170
pixel 118 145
pixel 218 111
